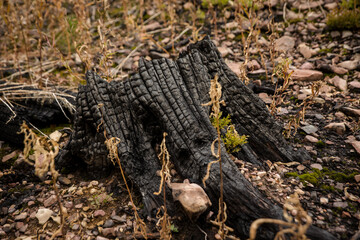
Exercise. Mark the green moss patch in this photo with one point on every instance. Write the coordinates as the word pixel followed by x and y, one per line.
pixel 315 176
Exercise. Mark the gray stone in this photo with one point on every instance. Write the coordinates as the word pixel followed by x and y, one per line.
pixel 108 223
pixel 340 204
pixel 356 146
pixel 335 34
pixel 319 116
pixel 24 228
pixel 108 232
pixel 346 34
pixel 7 227
pixel 310 139
pixel 50 201
pixel 307 66
pixel 357 178
pixel 354 86
pixel 339 128
pixel 339 186
pixel 324 200
pixel 306 75
pixel 313 195
pixel 266 98
pixel 316 166
pixel 101 238
pixel 309 129
pixel 349 65
pixel 64 180
pixel 118 218
pixel 284 43
pixel 331 6
pixel 21 216
pixel 290 15
pixel 75 227
pixel 306 51
pixel 340 83
pixel 99 213
pixel 19 225
pixel 311 16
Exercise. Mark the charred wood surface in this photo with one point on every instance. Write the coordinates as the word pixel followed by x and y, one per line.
pixel 37 107
pixel 167 96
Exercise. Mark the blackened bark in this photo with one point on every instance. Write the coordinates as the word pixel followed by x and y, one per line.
pixel 167 96
pixel 36 107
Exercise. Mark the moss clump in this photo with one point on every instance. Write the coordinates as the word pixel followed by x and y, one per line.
pixel 232 139
pixel 315 176
pixel 326 50
pixel 54 127
pixel 309 177
pixel 353 207
pixel 342 177
pixel 320 144
pixel 219 3
pixel 343 18
pixel 328 188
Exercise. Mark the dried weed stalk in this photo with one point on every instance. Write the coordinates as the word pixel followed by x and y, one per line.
pixel 296 226
pixel 111 144
pixel 215 102
pixel 164 224
pixel 294 122
pixel 282 72
pixel 44 151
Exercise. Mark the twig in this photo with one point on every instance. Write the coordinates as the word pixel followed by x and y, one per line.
pixel 12 117
pixel 152 17
pixel 39 130
pixel 205 238
pixel 284 13
pixel 124 61
pixel 61 107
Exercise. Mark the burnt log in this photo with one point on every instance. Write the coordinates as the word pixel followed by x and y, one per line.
pixel 39 108
pixel 167 96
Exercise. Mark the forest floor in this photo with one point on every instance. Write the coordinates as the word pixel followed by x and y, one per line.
pixel 324 86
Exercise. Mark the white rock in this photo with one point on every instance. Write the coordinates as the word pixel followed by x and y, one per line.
pixel 55 136
pixel 192 198
pixel 43 215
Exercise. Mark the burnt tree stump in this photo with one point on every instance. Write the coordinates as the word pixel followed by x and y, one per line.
pixel 167 96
